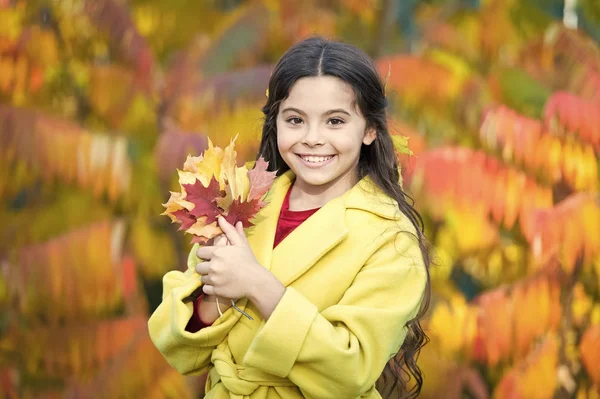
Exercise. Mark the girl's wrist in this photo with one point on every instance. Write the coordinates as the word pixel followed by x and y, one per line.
pixel 266 292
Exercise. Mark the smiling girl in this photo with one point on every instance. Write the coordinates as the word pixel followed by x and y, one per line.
pixel 334 276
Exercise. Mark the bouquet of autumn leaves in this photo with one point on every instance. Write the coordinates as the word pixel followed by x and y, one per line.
pixel 212 185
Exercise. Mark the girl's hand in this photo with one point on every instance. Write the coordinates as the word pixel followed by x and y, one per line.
pixel 229 271
pixel 207 307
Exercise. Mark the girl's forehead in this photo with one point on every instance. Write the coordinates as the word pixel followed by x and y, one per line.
pixel 320 93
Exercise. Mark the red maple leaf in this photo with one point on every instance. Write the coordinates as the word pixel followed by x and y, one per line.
pixel 184 218
pixel 260 179
pixel 243 211
pixel 204 199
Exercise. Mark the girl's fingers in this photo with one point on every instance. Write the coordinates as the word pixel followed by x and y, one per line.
pixel 205 279
pixel 221 240
pixel 205 253
pixel 232 235
pixel 240 229
pixel 202 268
pixel 208 289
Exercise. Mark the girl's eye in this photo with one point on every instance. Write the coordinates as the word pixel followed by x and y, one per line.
pixel 335 121
pixel 294 120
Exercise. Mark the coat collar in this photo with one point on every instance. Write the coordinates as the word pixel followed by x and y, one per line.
pixel 310 241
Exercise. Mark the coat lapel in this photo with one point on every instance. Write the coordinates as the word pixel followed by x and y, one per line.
pixel 316 236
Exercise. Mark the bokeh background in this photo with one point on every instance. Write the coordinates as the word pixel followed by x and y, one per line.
pixel 101 101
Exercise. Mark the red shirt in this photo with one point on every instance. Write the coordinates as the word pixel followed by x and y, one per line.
pixel 288 221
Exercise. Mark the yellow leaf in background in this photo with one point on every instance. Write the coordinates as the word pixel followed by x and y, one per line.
pixel 581 305
pixel 595 314
pixel 12 22
pixel 458 65
pixel 153 264
pixel 542 289
pixel 539 379
pixel 472 229
pixel 456 312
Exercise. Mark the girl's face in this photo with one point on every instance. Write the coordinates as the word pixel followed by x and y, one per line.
pixel 320 132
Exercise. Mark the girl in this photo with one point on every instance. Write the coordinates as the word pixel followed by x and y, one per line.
pixel 334 274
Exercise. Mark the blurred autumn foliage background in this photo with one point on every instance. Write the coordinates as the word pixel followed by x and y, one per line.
pixel 101 100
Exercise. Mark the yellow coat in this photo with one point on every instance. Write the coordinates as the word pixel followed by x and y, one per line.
pixel 354 276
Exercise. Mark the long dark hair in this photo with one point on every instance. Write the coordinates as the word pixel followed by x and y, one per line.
pixel 316 57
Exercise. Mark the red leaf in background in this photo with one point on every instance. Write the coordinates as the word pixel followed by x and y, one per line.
pixel 260 179
pixel 184 218
pixel 129 276
pixel 243 211
pixel 204 199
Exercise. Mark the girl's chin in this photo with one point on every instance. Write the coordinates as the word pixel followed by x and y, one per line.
pixel 316 178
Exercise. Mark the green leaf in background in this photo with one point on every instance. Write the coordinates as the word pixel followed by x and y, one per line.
pixel 401 144
pixel 522 92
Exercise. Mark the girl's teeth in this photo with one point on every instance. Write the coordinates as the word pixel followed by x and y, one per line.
pixel 316 159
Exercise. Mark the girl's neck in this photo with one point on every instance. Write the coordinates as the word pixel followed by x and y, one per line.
pixel 305 196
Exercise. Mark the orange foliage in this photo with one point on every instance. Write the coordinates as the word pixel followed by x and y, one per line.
pixel 76 351
pixel 590 353
pixel 523 141
pixel 501 324
pixel 24 62
pixel 456 176
pixel 495 327
pixel 534 377
pixel 569 114
pixel 57 148
pixel 418 81
pixel 537 307
pixel 569 230
pixel 153 377
pixel 78 275
pixel 510 320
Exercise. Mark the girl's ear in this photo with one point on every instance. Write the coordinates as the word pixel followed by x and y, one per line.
pixel 370 135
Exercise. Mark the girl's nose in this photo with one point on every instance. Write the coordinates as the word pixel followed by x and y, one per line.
pixel 313 137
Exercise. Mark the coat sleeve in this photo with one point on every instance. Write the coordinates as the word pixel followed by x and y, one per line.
pixel 341 351
pixel 187 352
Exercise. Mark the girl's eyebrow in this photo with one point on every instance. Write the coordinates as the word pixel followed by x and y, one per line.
pixel 331 111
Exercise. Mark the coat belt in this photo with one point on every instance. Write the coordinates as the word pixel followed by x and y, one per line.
pixel 240 381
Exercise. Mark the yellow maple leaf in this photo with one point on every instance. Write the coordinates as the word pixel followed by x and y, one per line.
pixel 175 203
pixel 190 164
pixel 242 183
pixel 236 178
pixel 188 178
pixel 227 172
pixel 201 229
pixel 210 165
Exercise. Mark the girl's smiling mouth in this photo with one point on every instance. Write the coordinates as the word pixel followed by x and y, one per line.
pixel 315 161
